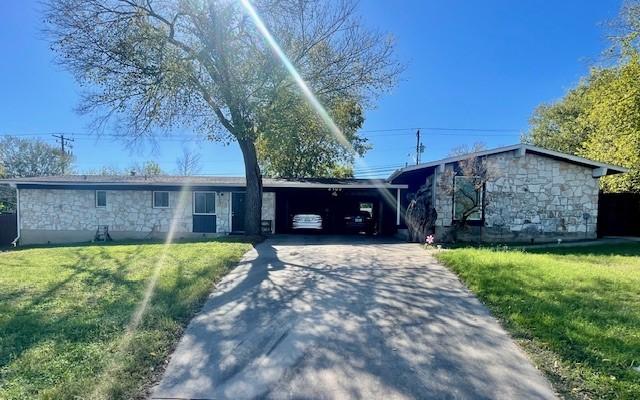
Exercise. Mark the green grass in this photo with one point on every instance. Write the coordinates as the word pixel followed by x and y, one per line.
pixel 575 310
pixel 64 313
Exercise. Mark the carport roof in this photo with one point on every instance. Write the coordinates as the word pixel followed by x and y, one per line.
pixel 196 181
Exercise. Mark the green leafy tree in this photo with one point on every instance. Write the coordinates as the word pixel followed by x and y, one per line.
pixel 562 125
pixel 147 168
pixel 600 118
pixel 614 116
pixel 22 157
pixel 341 171
pixel 154 65
pixel 305 146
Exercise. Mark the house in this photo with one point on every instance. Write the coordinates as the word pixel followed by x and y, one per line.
pixel 528 194
pixel 77 208
pixel 531 194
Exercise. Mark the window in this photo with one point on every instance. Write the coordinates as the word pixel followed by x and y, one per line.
pixel 160 199
pixel 467 198
pixel 204 203
pixel 101 198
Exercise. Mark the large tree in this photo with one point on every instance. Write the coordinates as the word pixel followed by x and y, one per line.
pixel 211 65
pixel 600 117
pixel 305 145
pixel 561 125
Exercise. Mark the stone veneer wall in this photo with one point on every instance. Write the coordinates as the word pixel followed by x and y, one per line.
pixel 529 197
pixel 269 208
pixel 59 215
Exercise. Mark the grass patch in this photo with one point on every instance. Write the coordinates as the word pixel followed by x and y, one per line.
pixel 576 310
pixel 64 313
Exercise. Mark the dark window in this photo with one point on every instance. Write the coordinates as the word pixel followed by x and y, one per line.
pixel 160 199
pixel 467 198
pixel 101 198
pixel 204 223
pixel 204 203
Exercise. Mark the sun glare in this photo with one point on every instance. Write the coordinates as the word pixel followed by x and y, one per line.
pixel 115 364
pixel 308 93
pixel 134 323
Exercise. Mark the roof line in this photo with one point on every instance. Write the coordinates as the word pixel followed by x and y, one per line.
pixel 296 184
pixel 525 147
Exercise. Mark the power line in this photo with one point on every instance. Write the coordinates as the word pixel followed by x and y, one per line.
pixel 409 131
pixel 432 128
pixel 63 141
pixel 449 134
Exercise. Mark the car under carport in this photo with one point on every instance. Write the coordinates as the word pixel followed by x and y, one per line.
pixel 335 199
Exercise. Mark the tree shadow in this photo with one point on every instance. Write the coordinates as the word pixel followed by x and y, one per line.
pixel 381 320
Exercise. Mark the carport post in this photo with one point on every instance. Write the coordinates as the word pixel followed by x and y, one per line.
pixel 397 206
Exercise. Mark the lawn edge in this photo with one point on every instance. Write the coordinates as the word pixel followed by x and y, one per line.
pixel 155 378
pixel 543 359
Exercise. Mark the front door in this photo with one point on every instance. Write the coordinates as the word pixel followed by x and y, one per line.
pixel 237 212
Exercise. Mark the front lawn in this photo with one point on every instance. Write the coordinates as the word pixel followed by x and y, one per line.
pixel 64 313
pixel 575 310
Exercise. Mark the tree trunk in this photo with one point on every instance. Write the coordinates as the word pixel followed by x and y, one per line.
pixel 253 199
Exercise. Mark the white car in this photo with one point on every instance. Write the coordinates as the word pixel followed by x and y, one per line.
pixel 307 221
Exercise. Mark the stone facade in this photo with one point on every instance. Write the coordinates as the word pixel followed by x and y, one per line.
pixel 527 198
pixel 269 208
pixel 63 215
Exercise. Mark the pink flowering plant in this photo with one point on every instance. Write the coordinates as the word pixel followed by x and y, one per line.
pixel 429 240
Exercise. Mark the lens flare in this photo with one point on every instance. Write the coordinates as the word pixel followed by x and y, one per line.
pixel 114 366
pixel 111 371
pixel 310 96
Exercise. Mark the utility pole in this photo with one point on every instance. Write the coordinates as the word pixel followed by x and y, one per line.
pixel 63 141
pixel 419 147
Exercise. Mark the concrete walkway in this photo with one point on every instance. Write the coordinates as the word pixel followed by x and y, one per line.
pixel 326 317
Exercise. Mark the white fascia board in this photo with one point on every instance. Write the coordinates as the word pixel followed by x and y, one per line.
pixel 577 159
pixel 521 149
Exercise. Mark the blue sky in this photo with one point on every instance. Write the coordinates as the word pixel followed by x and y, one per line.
pixel 471 65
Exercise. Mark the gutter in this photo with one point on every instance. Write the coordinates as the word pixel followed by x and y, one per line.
pixel 15 241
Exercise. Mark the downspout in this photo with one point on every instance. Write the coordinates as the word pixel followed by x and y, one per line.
pixel 15 241
pixel 397 207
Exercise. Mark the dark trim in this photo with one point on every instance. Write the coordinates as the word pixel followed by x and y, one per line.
pixel 149 188
pixel 174 188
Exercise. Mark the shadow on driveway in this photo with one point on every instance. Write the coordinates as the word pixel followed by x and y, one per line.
pixel 346 317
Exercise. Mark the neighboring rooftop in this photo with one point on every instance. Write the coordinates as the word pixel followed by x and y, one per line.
pixel 603 169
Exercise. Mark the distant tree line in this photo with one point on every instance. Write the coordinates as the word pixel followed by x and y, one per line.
pixel 28 157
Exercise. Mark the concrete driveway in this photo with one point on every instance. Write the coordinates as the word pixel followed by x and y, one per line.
pixel 326 317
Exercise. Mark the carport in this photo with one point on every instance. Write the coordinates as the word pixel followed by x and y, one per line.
pixel 333 199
